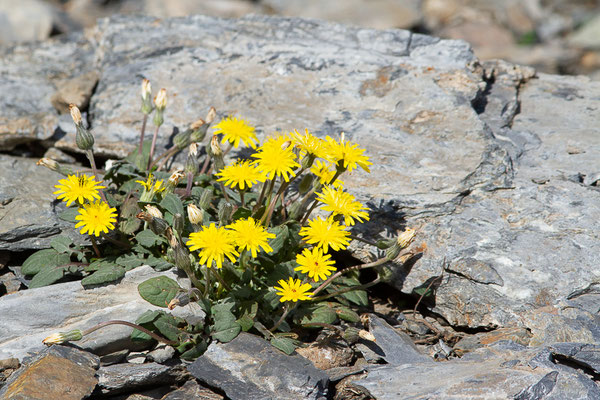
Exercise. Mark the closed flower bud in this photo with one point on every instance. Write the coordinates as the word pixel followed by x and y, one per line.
pixel 160 100
pixel 215 148
pixel 195 215
pixel 75 114
pixel 199 129
pixel 225 212
pixel 155 212
pixel 62 337
pixel 193 149
pixel 191 165
pixel 182 139
pixel 54 166
pixel 146 97
pixel 156 225
pixel 210 117
pixel 205 198
pixel 305 184
pixel 403 240
pixel 308 160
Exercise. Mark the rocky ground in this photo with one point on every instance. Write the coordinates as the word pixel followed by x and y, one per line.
pixel 554 36
pixel 495 164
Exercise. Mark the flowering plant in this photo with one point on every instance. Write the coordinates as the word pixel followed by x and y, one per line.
pixel 257 236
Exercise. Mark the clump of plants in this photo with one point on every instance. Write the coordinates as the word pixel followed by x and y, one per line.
pixel 254 235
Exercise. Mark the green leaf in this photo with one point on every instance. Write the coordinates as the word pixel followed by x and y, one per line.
pixel 172 203
pixel 148 316
pixel 158 291
pixel 159 264
pixel 284 344
pixel 246 322
pixel 128 223
pixel 358 297
pixel 69 214
pixel 47 276
pixel 225 330
pixel 61 244
pixel 167 329
pixel 281 235
pixel 129 261
pixel 241 213
pixel 423 291
pixel 43 259
pixel 147 238
pixel 347 314
pixel 319 314
pixel 139 336
pixel 103 275
pixel 195 351
pixel 99 264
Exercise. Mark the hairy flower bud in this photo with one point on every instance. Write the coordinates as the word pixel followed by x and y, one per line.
pixel 146 97
pixel 225 212
pixel 210 117
pixel 75 114
pixel 195 215
pixel 155 212
pixel 160 100
pixel 156 225
pixel 305 184
pixel 62 337
pixel 403 240
pixel 215 147
pixel 205 198
pixel 55 166
pixel 175 177
pixel 182 139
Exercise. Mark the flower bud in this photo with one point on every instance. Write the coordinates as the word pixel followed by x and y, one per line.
pixel 176 177
pixel 403 240
pixel 308 160
pixel 155 212
pixel 210 117
pixel 205 199
pixel 160 100
pixel 182 139
pixel 146 97
pixel 55 166
pixel 215 148
pixel 62 337
pixel 156 225
pixel 191 165
pixel 178 222
pixel 195 215
pixel 305 184
pixel 75 114
pixel 199 129
pixel 225 212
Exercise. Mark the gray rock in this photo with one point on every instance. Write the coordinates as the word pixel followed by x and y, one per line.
pixel 119 378
pixel 32 20
pixel 31 315
pixel 191 390
pixel 395 347
pixel 57 372
pixel 28 209
pixel 249 368
pixel 161 354
pixel 587 36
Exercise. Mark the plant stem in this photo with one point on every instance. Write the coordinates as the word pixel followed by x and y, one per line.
pixel 349 269
pixel 310 210
pixel 221 280
pixel 348 289
pixel 282 318
pixel 152 147
pixel 96 250
pixel 242 192
pixel 123 245
pixel 363 240
pixel 205 165
pixel 135 326
pixel 144 121
pixel 90 156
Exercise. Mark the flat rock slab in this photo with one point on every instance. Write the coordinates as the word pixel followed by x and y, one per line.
pixel 396 348
pixel 191 390
pixel 118 378
pixel 31 315
pixel 57 372
pixel 249 368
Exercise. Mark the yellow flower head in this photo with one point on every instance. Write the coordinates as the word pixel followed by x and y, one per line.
pixel 96 217
pixel 276 158
pixel 78 187
pixel 325 174
pixel 251 235
pixel 314 263
pixel 342 203
pixel 325 233
pixel 347 155
pixel 214 244
pixel 151 187
pixel 293 290
pixel 242 174
pixel 308 143
pixel 234 130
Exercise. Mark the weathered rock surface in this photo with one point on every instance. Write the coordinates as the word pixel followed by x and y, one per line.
pixel 58 372
pixel 503 371
pixel 249 368
pixel 118 378
pixel 31 315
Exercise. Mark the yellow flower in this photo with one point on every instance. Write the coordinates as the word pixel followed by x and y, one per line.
pixel 78 187
pixel 325 174
pixel 251 235
pixel 276 158
pixel 342 203
pixel 234 130
pixel 96 217
pixel 325 233
pixel 314 263
pixel 347 155
pixel 151 187
pixel 214 244
pixel 242 174
pixel 293 290
pixel 308 143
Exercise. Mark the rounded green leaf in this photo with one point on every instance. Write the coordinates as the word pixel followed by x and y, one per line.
pixel 106 274
pixel 158 291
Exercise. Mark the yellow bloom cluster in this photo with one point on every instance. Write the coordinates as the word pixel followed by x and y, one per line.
pixel 95 216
